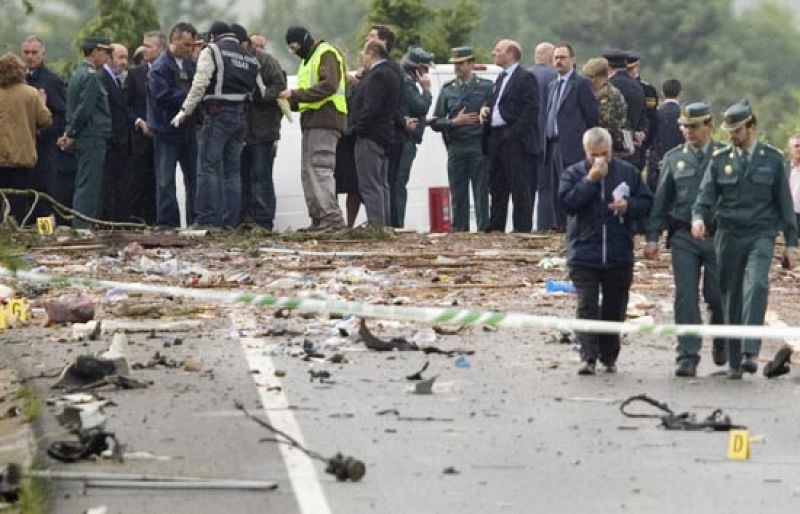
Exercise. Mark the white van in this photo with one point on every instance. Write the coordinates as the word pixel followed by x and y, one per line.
pixel 429 170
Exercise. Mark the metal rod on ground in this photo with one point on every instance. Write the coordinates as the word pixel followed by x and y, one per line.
pixel 93 475
pixel 204 484
pixel 431 315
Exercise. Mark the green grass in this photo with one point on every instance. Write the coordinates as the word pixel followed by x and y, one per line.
pixel 31 403
pixel 33 497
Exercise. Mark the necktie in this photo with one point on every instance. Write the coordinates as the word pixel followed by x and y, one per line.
pixel 700 155
pixel 498 85
pixel 745 159
pixel 551 128
pixel 559 92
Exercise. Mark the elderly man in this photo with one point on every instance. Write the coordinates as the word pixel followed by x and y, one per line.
pixel 747 185
pixel 511 138
pixel 602 196
pixel 681 172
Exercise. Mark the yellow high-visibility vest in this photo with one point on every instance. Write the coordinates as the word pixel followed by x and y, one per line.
pixel 308 73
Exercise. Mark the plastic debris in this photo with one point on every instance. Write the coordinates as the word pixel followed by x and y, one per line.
pixel 418 374
pixel 555 286
pixel 462 362
pixel 425 386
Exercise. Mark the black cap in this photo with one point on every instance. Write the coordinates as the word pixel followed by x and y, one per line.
pixel 92 42
pixel 297 35
pixel 632 58
pixel 218 28
pixel 240 32
pixel 616 58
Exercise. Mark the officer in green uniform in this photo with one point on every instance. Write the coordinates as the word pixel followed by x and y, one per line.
pixel 88 126
pixel 747 184
pixel 456 117
pixel 682 169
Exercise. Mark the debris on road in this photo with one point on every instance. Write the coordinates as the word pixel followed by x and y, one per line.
pixel 395 344
pixel 716 421
pixel 418 374
pixel 425 386
pixel 74 311
pixel 779 365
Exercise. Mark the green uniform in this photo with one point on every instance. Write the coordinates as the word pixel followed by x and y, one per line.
pixel 752 200
pixel 466 163
pixel 415 105
pixel 89 122
pixel 613 113
pixel 681 172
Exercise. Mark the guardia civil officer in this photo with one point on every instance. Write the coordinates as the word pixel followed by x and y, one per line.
pixel 225 79
pixel 456 117
pixel 747 184
pixel 681 172
pixel 88 126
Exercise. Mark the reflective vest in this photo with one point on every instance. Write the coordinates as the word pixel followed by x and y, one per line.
pixel 308 75
pixel 236 72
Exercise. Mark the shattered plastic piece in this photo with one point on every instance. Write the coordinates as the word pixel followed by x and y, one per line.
pixel 388 411
pixel 450 470
pixel 88 331
pixel 78 311
pixel 87 370
pixel 552 262
pixel 555 286
pixel 373 343
pixel 425 386
pixel 192 365
pixel 418 374
pixel 462 362
pixel 321 375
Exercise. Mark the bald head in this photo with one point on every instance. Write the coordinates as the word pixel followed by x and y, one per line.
pixel 119 57
pixel 507 52
pixel 543 54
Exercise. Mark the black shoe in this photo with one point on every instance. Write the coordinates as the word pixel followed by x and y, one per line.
pixel 749 365
pixel 686 368
pixel 610 368
pixel 779 365
pixel 734 374
pixel 719 353
pixel 587 368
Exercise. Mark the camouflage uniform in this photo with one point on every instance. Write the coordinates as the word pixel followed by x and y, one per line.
pixel 613 113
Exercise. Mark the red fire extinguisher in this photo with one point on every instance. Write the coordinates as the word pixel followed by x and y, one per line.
pixel 439 209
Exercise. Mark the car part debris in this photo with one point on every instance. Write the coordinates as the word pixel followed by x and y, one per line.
pixel 384 412
pixel 716 421
pixel 427 350
pixel 89 331
pixel 242 485
pixel 425 386
pixel 779 365
pixel 157 360
pixel 400 344
pixel 448 331
pixel 418 374
pixel 87 423
pixel 321 375
pixel 10 483
pixel 77 311
pixel 88 372
pixel 342 467
pixel 450 470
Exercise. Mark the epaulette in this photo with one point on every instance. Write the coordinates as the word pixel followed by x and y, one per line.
pixel 91 70
pixel 676 149
pixel 449 82
pixel 721 150
pixel 774 149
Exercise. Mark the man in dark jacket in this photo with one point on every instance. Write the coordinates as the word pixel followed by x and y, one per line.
pixel 39 76
pixel 371 122
pixel 263 131
pixel 602 197
pixel 511 139
pixel 168 84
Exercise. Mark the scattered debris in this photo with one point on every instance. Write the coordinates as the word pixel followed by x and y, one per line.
pixel 462 362
pixel 555 286
pixel 450 470
pixel 89 371
pixel 716 421
pixel 418 374
pixel 321 375
pixel 425 386
pixel 89 331
pixel 87 423
pixel 388 411
pixel 157 360
pixel 76 311
pixel 192 365
pixel 10 478
pixel 373 343
pixel 779 365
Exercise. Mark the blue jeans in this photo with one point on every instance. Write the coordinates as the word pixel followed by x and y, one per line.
pixel 219 151
pixel 258 190
pixel 167 154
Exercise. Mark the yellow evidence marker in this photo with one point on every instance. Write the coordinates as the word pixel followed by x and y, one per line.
pixel 739 445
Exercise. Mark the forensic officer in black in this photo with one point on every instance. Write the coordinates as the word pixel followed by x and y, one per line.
pixel 456 117
pixel 747 185
pixel 88 126
pixel 227 75
pixel 650 112
pixel 681 171
pixel 620 77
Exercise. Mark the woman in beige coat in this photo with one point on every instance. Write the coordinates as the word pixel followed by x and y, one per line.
pixel 22 113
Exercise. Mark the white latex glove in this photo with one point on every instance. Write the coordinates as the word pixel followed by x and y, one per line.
pixel 178 119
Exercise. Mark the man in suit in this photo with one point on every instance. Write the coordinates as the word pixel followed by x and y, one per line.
pixel 650 109
pixel 669 132
pixel 143 176
pixel 793 173
pixel 511 138
pixel 571 110
pixel 371 122
pixel 634 99
pixel 39 76
pixel 545 73
pixel 115 184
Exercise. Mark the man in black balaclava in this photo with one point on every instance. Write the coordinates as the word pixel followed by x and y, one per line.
pixel 302 37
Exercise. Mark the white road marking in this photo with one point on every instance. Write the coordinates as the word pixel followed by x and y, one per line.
pixel 301 469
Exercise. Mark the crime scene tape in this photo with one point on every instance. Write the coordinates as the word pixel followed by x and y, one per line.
pixel 429 315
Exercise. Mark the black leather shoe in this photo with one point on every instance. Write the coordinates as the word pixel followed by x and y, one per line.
pixel 779 365
pixel 686 368
pixel 587 368
pixel 610 368
pixel 749 364
pixel 734 374
pixel 719 353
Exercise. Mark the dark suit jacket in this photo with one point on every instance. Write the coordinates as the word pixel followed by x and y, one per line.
pixel 118 106
pixel 56 90
pixel 669 132
pixel 519 107
pixel 374 106
pixel 576 114
pixel 544 76
pixel 136 96
pixel 634 99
